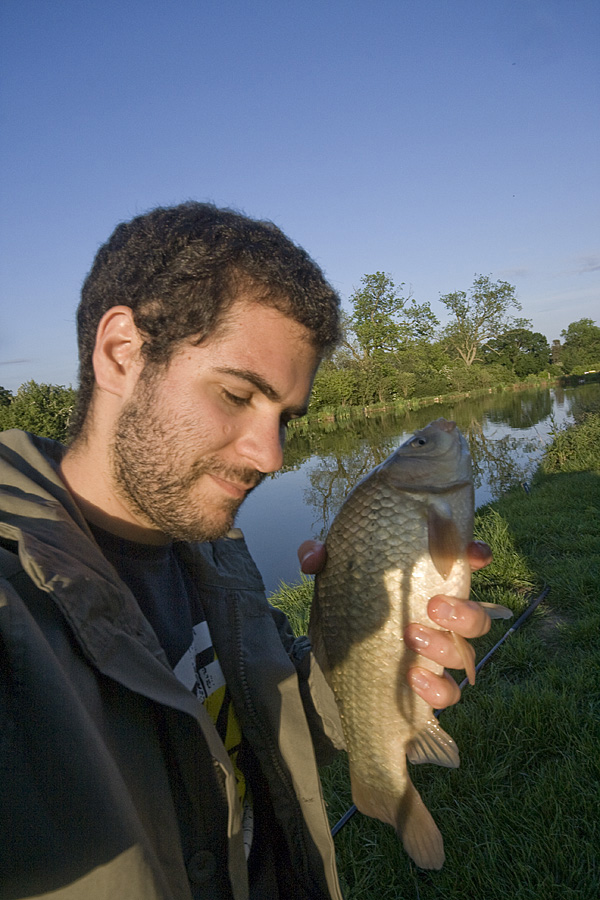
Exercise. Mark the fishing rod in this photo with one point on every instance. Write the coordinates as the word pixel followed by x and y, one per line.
pixel 522 618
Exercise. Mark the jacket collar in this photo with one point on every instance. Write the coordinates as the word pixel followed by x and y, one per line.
pixel 58 551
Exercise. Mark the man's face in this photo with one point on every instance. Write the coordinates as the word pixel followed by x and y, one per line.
pixel 196 436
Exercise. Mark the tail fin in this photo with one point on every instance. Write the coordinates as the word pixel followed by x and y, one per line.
pixel 410 817
pixel 420 835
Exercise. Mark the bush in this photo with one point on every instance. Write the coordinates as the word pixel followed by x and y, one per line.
pixel 5 397
pixel 469 378
pixel 43 409
pixel 575 448
pixel 430 384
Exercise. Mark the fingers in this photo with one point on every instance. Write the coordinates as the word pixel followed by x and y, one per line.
pixel 466 617
pixel 312 556
pixel 439 646
pixel 459 619
pixel 438 691
pixel 479 554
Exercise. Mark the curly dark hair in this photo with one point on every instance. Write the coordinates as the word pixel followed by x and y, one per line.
pixel 180 268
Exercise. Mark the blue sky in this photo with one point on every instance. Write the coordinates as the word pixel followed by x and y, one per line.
pixel 431 140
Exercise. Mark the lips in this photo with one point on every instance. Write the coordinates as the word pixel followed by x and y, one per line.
pixel 234 489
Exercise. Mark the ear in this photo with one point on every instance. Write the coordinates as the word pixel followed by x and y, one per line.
pixel 116 357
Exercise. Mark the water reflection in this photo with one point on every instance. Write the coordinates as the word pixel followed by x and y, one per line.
pixel 585 400
pixel 521 410
pixel 500 462
pixel 502 455
pixel 333 476
pixel 506 433
pixel 516 410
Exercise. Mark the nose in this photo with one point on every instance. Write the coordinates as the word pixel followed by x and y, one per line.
pixel 262 446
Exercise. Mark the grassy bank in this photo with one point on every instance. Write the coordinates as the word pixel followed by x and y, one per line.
pixel 520 816
pixel 318 417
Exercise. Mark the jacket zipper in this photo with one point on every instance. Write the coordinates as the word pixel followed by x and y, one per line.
pixel 273 750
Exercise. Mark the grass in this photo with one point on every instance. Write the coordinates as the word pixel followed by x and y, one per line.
pixel 520 817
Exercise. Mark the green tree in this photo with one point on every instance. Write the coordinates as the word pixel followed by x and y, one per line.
pixel 525 352
pixel 43 409
pixel 556 353
pixel 336 384
pixel 383 325
pixel 581 346
pixel 383 320
pixel 479 315
pixel 5 400
pixel 424 364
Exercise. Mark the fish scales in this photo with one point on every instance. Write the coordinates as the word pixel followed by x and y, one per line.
pixel 399 539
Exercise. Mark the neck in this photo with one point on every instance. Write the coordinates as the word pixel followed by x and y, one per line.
pixel 86 471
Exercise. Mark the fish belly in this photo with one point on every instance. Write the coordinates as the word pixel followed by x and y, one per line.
pixel 379 577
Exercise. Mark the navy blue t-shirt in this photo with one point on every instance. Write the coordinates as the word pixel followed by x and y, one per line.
pixel 169 599
pixel 163 589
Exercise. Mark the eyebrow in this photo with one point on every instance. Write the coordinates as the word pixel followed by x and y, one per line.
pixel 262 385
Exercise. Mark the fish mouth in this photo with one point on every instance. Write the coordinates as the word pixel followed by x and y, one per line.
pixel 444 424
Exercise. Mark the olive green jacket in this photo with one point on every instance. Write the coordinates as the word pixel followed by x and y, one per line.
pixel 98 737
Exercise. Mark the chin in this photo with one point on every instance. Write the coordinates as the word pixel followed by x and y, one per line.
pixel 201 531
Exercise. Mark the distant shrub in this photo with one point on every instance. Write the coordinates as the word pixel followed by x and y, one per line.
pixel 43 409
pixel 5 397
pixel 575 448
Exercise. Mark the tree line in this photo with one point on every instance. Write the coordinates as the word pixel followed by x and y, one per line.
pixel 393 349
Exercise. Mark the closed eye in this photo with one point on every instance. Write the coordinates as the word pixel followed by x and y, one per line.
pixel 235 399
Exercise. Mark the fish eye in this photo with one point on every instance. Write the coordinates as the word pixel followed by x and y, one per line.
pixel 419 442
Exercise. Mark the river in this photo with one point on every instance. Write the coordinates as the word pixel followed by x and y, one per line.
pixel 507 433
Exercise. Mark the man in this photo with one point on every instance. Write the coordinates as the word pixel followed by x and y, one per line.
pixel 161 727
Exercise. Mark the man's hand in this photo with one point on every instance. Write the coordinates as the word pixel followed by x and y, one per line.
pixel 465 617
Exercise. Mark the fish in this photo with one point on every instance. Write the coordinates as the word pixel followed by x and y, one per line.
pixel 399 539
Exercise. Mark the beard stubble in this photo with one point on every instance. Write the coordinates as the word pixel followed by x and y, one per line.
pixel 152 474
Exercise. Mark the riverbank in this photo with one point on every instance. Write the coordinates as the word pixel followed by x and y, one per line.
pixel 519 817
pixel 326 415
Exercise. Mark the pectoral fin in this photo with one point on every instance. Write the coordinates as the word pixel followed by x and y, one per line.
pixel 496 610
pixel 445 543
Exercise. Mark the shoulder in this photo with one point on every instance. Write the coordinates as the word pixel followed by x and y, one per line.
pixel 10 564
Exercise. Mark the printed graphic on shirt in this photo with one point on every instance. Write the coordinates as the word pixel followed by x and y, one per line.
pixel 198 668
pixel 200 671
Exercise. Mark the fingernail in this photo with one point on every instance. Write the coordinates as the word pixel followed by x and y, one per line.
pixel 446 611
pixel 417 638
pixel 425 688
pixel 419 681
